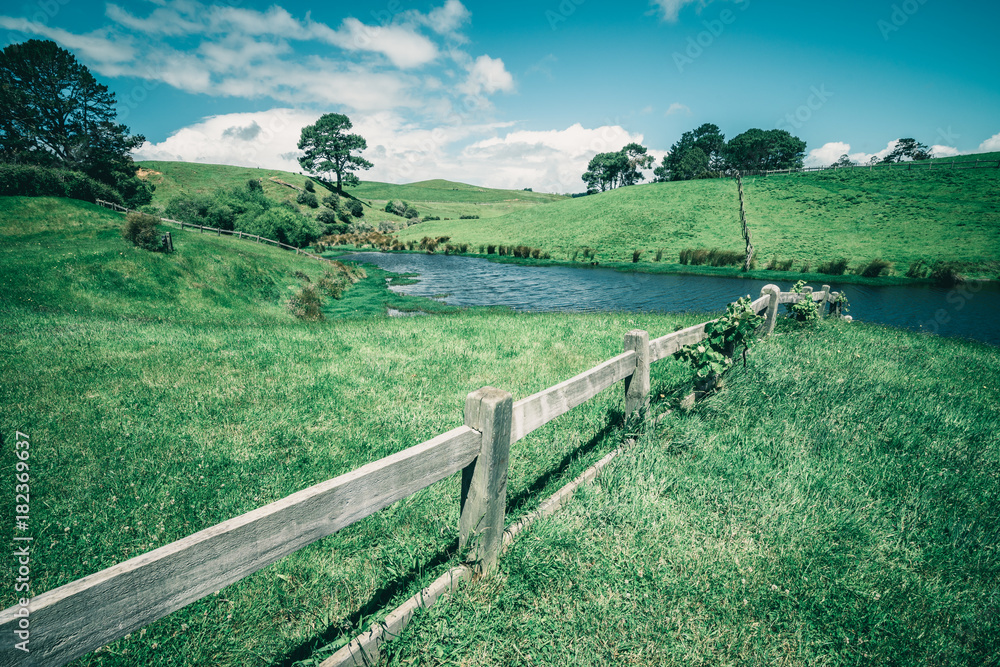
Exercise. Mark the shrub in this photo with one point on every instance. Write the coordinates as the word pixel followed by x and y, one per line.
pixel 536 253
pixel 221 216
pixel 482 250
pixel 332 201
pixel 918 269
pixel 468 217
pixel 411 213
pixel 717 257
pixel 835 267
pixel 285 226
pixel 309 186
pixel 254 185
pixel 636 254
pixel 356 208
pixel 659 254
pixel 35 181
pixel 805 267
pixel 432 217
pixel 875 268
pixel 307 199
pixel 491 249
pixel 779 264
pixel 141 229
pixel 946 274
pixel 386 226
pixel 306 304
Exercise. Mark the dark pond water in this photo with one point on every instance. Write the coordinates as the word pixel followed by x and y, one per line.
pixel 969 311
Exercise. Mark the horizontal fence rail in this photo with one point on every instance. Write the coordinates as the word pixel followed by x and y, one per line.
pixel 219 232
pixel 72 620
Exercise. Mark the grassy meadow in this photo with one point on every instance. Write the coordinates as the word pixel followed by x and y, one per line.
pixel 895 214
pixel 440 198
pixel 836 503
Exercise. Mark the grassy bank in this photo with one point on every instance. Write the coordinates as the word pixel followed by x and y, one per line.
pixel 837 504
pixel 893 214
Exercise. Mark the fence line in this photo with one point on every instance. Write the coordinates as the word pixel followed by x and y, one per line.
pixel 219 232
pixel 72 620
pixel 908 166
pixel 747 236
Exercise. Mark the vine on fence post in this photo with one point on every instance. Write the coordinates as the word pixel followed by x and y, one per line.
pixel 714 355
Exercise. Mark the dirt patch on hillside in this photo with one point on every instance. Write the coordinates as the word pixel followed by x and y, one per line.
pixel 144 173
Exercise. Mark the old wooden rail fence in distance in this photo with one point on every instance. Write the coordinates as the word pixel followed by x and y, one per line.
pixel 76 618
pixel 219 232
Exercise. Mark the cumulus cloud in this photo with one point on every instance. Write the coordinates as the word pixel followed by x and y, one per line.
pixel 670 9
pixel 826 154
pixel 944 151
pixel 677 108
pixel 990 145
pixel 487 75
pixel 483 154
pixel 446 20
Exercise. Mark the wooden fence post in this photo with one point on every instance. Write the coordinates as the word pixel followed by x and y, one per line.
pixel 774 292
pixel 484 481
pixel 826 300
pixel 637 385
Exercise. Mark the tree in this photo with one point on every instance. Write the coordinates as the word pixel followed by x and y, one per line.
pixel 908 148
pixel 694 164
pixel 708 139
pixel 758 149
pixel 617 169
pixel 54 113
pixel 843 161
pixel 329 149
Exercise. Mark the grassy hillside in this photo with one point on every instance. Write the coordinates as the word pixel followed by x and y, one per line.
pixel 898 215
pixel 164 394
pixel 443 199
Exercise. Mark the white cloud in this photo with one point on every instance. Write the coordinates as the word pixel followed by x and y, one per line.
pixel 401 45
pixel 487 75
pixel 547 161
pixel 676 108
pixel 944 151
pixel 446 20
pixel 93 46
pixel 826 154
pixel 990 145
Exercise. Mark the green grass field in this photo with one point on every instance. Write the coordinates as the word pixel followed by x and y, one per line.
pixel 894 214
pixel 849 477
pixel 443 199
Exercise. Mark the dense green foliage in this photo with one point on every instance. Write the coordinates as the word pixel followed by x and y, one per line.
pixel 328 148
pixel 762 150
pixel 249 210
pixel 617 169
pixel 38 181
pixel 54 113
pixel 696 154
pixel 142 230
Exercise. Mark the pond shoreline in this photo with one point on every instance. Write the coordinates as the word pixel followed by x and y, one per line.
pixel 665 268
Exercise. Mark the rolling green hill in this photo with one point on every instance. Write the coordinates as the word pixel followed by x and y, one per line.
pixel 896 214
pixel 440 198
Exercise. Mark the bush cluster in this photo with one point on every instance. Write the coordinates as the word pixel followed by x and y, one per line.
pixel 834 267
pixel 779 264
pixel 34 181
pixel 468 217
pixel 142 230
pixel 247 209
pixel 713 257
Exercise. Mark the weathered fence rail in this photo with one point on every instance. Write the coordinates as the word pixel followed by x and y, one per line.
pixel 219 232
pixel 74 619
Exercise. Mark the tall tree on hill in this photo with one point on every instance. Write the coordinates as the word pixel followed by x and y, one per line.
pixel 708 140
pixel 53 112
pixel 329 149
pixel 907 149
pixel 617 169
pixel 758 149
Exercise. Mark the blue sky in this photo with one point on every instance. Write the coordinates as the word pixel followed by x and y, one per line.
pixel 523 94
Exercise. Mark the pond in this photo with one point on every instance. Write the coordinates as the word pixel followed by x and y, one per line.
pixel 968 311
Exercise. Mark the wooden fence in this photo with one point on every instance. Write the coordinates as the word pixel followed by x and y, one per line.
pixel 907 166
pixel 219 232
pixel 74 619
